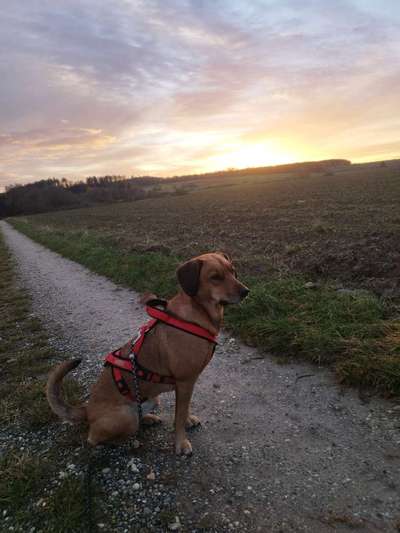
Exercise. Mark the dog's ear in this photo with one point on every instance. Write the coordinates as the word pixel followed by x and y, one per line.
pixel 189 276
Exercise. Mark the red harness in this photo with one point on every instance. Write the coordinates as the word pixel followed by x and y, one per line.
pixel 130 364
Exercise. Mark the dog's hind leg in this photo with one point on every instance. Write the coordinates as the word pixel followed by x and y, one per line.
pixel 114 426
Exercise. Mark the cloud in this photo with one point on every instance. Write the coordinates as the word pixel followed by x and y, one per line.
pixel 130 85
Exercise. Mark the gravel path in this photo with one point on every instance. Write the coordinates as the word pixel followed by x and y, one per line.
pixel 282 447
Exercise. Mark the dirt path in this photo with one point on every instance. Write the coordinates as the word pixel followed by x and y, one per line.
pixel 282 448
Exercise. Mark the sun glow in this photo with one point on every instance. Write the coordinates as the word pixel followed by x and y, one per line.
pixel 252 155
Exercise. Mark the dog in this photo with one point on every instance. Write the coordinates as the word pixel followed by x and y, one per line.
pixel 208 283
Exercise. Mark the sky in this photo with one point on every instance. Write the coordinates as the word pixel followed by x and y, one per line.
pixel 167 87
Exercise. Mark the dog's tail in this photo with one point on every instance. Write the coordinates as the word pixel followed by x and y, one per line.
pixel 54 393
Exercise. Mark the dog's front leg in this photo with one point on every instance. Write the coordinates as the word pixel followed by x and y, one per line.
pixel 183 393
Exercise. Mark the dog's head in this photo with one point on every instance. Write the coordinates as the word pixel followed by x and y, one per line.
pixel 212 277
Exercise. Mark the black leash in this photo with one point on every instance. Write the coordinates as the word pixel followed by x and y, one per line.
pixel 89 489
pixel 132 357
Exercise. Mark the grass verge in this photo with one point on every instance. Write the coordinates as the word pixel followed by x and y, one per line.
pixel 356 333
pixel 31 494
pixel 30 502
pixel 352 332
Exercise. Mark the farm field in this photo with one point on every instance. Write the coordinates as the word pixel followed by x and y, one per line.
pixel 338 231
pixel 342 227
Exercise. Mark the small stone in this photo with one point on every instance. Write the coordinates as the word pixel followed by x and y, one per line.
pixel 151 476
pixel 106 470
pixel 347 291
pixel 175 525
pixel 136 444
pixel 136 486
pixel 132 465
pixel 310 285
pixel 101 525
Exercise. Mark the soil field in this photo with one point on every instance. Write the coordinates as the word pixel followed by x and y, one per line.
pixel 305 245
pixel 342 226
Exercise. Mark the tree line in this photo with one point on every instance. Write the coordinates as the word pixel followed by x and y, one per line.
pixel 53 194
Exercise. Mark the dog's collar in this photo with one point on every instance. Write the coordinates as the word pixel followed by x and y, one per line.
pixel 154 311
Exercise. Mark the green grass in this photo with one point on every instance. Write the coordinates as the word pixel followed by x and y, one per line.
pixel 66 507
pixel 27 499
pixel 22 478
pixel 150 271
pixel 352 332
pixel 356 333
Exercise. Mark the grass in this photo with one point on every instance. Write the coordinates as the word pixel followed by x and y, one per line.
pixel 28 478
pixel 355 332
pixel 22 478
pixel 25 496
pixel 66 509
pixel 352 332
pixel 150 271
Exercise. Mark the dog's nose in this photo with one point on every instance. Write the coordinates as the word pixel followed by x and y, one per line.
pixel 244 291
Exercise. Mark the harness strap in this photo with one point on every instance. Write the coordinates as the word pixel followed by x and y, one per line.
pixel 189 327
pixel 119 363
pixel 114 359
pixel 121 384
pixel 147 375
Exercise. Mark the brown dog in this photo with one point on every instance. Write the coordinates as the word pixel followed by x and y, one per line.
pixel 208 282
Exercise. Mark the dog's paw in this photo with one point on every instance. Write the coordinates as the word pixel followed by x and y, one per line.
pixel 183 447
pixel 150 405
pixel 192 421
pixel 151 420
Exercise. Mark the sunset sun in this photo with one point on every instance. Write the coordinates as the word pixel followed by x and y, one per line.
pixel 252 155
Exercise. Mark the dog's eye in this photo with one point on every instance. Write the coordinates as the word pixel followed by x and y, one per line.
pixel 216 277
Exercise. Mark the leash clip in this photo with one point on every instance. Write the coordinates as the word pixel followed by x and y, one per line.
pixel 134 341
